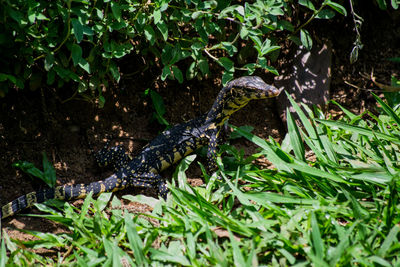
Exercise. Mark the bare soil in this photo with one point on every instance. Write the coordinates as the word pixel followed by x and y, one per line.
pixel 43 121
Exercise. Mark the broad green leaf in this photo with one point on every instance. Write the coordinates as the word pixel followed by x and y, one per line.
pixel 158 102
pixel 150 34
pixel 135 241
pixel 203 66
pixel 84 65
pixel 114 71
pixel 49 61
pixel 177 73
pixel 337 7
pixel 226 77
pixel 308 4
pixel 76 52
pixel 78 29
pixel 49 173
pixel 163 28
pixel 116 10
pixel 226 63
pixel 29 168
pixel 325 14
pixel 166 72
pixel 156 16
pixel 306 39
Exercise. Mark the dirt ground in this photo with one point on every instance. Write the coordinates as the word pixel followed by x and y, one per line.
pixel 42 121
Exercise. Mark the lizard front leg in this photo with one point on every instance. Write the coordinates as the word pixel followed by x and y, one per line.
pixel 212 151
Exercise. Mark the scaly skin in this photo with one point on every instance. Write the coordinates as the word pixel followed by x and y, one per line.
pixel 166 149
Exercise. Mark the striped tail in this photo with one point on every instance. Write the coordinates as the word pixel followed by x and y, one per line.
pixel 63 192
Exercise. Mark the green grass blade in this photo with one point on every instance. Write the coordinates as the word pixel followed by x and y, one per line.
pixel 304 119
pixel 80 261
pixel 318 244
pixel 329 150
pixel 380 261
pixel 388 110
pixel 163 256
pixel 348 113
pixel 3 252
pixel 360 130
pixel 85 207
pixel 277 157
pixel 135 241
pixel 340 250
pixel 300 166
pixel 265 199
pixel 389 240
pixel 238 258
pixel 295 138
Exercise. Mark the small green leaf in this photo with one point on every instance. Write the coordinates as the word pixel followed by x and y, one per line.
pixel 166 72
pixel 76 53
pixel 203 66
pixel 150 34
pixel 266 47
pixel 395 4
pixel 226 77
pixel 177 73
pixel 325 14
pixel 158 102
pixel 159 107
pixel 272 70
pixel 285 25
pixel 84 65
pixel 244 128
pixel 78 29
pixel 116 10
pixel 114 71
pixel 49 173
pixel 49 61
pixel 337 7
pixel 308 4
pixel 163 28
pixel 3 251
pixel 29 168
pixel 226 63
pixel 306 39
pixel 156 16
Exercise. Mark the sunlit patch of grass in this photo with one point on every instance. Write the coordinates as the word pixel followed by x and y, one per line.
pixel 338 209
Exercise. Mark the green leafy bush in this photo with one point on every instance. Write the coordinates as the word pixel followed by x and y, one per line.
pixel 57 42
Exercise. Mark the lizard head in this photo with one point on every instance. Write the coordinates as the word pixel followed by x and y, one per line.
pixel 251 87
pixel 236 94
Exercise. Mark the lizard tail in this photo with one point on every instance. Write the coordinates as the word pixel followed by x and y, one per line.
pixel 63 192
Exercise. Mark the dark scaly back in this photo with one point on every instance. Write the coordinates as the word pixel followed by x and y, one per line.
pixel 235 95
pixel 164 150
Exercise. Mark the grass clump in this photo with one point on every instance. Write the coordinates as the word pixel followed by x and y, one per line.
pixel 338 207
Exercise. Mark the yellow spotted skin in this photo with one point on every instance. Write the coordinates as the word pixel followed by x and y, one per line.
pixel 166 149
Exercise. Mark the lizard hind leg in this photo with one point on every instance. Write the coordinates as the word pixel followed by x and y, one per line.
pixel 150 180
